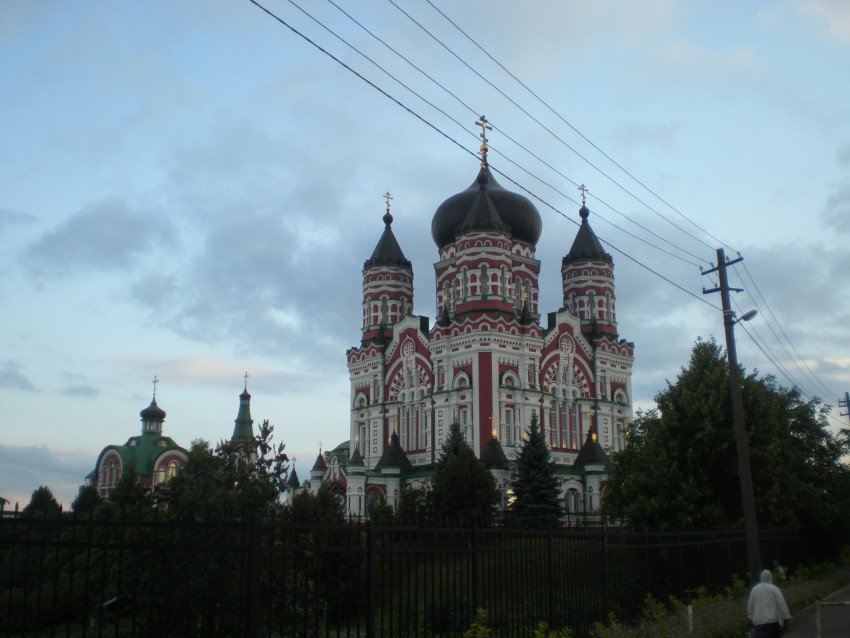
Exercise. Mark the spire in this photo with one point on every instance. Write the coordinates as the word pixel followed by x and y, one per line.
pixel 394 457
pixel 591 452
pixel 387 252
pixel 243 431
pixel 292 482
pixel 586 246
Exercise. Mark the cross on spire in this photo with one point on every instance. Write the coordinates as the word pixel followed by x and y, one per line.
pixel 584 191
pixel 388 197
pixel 485 126
pixel 155 381
pixel 245 376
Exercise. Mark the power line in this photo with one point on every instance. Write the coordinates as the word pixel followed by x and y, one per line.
pixel 579 133
pixel 503 132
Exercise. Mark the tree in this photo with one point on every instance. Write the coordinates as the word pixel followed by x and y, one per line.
pixel 680 467
pixel 323 507
pixel 536 492
pixel 231 482
pixel 454 441
pixel 87 501
pixel 465 491
pixel 43 504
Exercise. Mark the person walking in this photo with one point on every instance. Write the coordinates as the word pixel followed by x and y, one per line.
pixel 766 608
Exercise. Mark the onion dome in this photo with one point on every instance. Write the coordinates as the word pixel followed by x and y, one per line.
pixel 586 246
pixel 387 252
pixel 485 205
pixel 153 412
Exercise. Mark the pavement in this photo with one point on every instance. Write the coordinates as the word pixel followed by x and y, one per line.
pixel 834 620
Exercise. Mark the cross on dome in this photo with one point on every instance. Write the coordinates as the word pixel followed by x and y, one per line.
pixel 245 376
pixel 388 197
pixel 485 126
pixel 155 381
pixel 584 191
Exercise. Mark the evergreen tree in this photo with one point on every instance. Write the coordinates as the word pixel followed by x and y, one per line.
pixel 43 504
pixel 454 441
pixel 465 491
pixel 536 492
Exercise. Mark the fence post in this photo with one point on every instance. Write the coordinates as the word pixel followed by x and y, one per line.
pixel 550 571
pixel 475 568
pixel 605 574
pixel 254 540
pixel 370 578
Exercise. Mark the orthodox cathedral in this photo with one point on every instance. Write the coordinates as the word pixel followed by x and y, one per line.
pixel 489 362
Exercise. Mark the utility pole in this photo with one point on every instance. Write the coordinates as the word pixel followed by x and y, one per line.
pixel 747 496
pixel 845 403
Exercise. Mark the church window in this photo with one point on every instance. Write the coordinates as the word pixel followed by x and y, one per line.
pixel 562 423
pixel 160 475
pixel 508 432
pixel 603 384
pixel 172 469
pixel 531 376
pixel 574 434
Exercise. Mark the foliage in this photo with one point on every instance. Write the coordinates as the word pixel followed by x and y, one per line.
pixel 87 501
pixel 465 491
pixel 454 442
pixel 232 482
pixel 679 469
pixel 479 627
pixel 536 492
pixel 542 631
pixel 323 507
pixel 414 505
pixel 43 504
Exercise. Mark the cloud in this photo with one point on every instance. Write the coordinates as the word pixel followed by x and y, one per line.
pixel 832 16
pixel 80 390
pixel 11 377
pixel 25 468
pixel 10 218
pixel 105 235
pixel 205 371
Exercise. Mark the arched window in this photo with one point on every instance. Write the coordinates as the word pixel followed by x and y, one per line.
pixel 172 469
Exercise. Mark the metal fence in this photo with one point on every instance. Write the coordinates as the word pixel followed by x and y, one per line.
pixel 119 576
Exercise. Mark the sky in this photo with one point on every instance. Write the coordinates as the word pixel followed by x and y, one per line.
pixel 188 190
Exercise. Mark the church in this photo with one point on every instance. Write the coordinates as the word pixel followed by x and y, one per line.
pixel 490 361
pixel 154 458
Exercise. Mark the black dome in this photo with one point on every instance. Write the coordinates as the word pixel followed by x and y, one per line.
pixel 485 205
pixel 153 412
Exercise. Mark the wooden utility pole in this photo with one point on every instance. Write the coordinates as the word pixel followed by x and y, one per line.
pixel 747 496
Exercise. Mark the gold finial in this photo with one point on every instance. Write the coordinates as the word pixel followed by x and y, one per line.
pixel 388 197
pixel 245 376
pixel 584 191
pixel 593 436
pixel 155 381
pixel 485 126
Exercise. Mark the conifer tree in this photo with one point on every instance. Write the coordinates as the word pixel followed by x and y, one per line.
pixel 536 490
pixel 454 441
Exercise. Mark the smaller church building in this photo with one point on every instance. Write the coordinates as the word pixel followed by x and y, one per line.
pixel 153 457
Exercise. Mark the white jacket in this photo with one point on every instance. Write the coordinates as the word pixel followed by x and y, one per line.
pixel 766 604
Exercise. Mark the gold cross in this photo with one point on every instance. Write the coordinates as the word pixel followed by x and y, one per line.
pixel 388 197
pixel 584 191
pixel 155 381
pixel 485 126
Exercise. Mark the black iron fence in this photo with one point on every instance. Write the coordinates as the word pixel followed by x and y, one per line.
pixel 122 577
